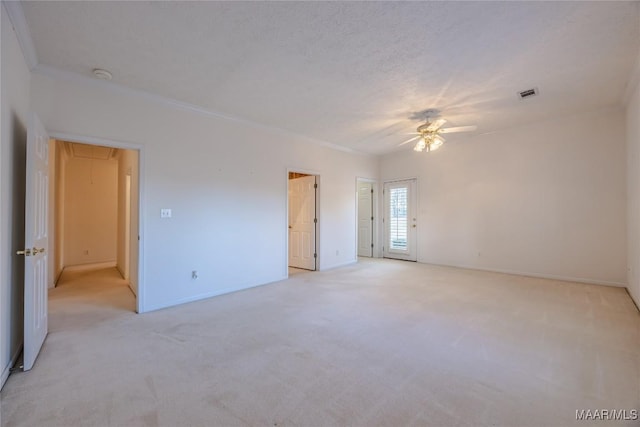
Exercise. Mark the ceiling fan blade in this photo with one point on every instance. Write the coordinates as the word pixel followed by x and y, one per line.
pixel 459 129
pixel 436 124
pixel 409 140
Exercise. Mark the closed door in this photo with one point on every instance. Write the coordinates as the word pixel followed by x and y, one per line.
pixel 302 222
pixel 36 241
pixel 400 222
pixel 365 218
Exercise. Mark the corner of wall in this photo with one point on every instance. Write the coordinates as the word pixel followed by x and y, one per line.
pixel 23 35
pixel 16 89
pixel 633 184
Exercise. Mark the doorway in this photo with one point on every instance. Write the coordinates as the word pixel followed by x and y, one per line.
pixel 41 210
pixel 94 213
pixel 400 220
pixel 365 194
pixel 302 220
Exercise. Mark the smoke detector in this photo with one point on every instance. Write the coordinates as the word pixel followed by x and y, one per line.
pixel 102 74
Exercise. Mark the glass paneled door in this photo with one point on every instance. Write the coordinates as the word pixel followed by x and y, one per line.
pixel 400 221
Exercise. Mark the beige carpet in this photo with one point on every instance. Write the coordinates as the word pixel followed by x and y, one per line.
pixel 383 342
pixel 293 271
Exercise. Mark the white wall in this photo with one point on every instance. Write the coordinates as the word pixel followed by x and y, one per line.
pixel 90 211
pixel 633 194
pixel 15 105
pixel 225 180
pixel 546 199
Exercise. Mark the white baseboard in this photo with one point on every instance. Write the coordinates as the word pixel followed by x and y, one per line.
pixel 7 369
pixel 636 303
pixel 93 266
pixel 342 264
pixel 206 295
pixel 538 275
pixel 55 282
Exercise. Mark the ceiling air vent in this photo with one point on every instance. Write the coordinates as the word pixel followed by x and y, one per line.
pixel 528 93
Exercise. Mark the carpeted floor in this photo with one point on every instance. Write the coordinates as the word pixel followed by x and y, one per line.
pixel 383 342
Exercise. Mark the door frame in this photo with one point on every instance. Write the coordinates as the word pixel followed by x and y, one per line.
pixel 286 216
pixel 416 209
pixel 127 226
pixel 90 140
pixel 375 209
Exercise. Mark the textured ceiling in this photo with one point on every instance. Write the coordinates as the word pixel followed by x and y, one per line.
pixel 353 73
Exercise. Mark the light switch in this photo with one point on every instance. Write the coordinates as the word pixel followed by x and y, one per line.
pixel 165 213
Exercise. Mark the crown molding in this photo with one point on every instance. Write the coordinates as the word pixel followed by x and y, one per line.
pixel 19 22
pixel 58 74
pixel 16 16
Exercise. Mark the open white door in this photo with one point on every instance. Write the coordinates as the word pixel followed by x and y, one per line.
pixel 365 218
pixel 36 240
pixel 400 220
pixel 302 222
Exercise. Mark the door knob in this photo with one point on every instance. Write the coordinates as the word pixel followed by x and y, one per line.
pixel 414 226
pixel 26 252
pixel 290 227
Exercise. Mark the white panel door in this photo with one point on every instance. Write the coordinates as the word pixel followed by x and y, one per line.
pixel 365 219
pixel 302 222
pixel 400 222
pixel 36 240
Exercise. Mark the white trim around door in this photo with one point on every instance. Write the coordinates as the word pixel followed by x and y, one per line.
pixel 82 139
pixel 302 222
pixel 400 219
pixel 366 217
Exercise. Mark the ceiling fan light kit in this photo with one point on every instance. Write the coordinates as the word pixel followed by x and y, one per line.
pixel 429 138
pixel 429 142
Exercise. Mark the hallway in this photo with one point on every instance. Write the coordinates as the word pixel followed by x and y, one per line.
pixel 88 294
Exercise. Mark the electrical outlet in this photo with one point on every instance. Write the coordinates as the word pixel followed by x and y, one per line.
pixel 194 274
pixel 165 213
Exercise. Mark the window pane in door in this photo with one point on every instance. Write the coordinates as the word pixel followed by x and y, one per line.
pixel 398 218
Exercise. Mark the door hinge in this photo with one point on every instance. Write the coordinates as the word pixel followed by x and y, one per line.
pixel 315 185
pixel 371 218
pixel 372 191
pixel 315 255
pixel 372 245
pixel 315 220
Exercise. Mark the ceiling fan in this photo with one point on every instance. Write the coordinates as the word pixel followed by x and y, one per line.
pixel 428 134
